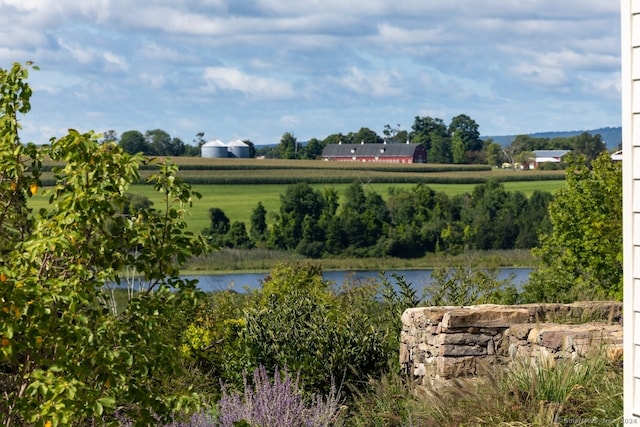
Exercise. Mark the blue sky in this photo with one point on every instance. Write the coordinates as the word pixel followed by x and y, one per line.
pixel 257 69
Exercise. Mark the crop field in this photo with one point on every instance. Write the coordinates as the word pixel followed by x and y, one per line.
pixel 239 200
pixel 269 171
pixel 237 185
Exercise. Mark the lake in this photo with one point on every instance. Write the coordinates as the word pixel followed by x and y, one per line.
pixel 240 282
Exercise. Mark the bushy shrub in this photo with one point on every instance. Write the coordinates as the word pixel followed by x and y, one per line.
pixel 468 286
pixel 302 323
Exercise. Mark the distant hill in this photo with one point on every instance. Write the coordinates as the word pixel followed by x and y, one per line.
pixel 611 136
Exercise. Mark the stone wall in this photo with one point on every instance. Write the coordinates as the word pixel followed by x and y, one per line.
pixel 445 342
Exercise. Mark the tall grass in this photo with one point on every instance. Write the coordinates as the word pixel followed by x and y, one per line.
pixel 529 394
pixel 261 260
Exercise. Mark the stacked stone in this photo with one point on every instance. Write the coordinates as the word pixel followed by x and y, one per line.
pixel 445 342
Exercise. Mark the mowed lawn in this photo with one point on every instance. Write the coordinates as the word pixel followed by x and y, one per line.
pixel 238 201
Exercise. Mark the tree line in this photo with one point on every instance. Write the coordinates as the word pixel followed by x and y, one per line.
pixel 457 142
pixel 410 223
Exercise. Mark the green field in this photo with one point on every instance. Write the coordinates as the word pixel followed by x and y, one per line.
pixel 238 201
pixel 237 185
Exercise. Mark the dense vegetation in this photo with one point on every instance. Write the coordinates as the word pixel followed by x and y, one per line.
pixel 455 143
pixel 408 224
pixel 97 326
pixel 67 356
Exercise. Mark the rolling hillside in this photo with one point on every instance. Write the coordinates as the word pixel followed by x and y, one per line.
pixel 612 136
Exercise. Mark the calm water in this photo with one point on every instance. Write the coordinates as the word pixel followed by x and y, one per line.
pixel 417 278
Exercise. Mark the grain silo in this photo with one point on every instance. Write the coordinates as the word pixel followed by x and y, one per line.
pixel 215 149
pixel 238 148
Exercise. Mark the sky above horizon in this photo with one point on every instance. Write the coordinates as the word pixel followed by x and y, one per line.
pixel 255 69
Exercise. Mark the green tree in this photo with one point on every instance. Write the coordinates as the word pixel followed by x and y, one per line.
pixel 582 254
pixel 439 149
pixel 237 236
pixel 363 219
pixel 133 142
pixel 415 221
pixel 391 135
pixel 335 138
pixel 65 358
pixel 534 220
pixel 457 148
pixel 425 129
pixel 161 144
pixel 494 154
pixel 299 201
pixel 364 135
pixel 588 145
pixel 312 150
pixel 467 129
pixel 220 226
pixel 288 147
pixel 258 228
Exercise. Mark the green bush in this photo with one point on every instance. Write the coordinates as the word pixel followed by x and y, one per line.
pixel 301 323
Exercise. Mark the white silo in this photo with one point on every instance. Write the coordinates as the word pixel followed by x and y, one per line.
pixel 238 148
pixel 215 149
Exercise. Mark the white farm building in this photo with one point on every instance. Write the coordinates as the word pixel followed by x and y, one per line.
pixel 217 149
pixel 238 149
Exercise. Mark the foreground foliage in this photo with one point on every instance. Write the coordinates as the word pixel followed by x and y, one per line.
pixel 65 359
pixel 530 394
pixel 581 256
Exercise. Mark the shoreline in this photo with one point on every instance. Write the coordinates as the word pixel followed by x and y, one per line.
pixel 255 261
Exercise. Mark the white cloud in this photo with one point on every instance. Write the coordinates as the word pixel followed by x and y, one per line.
pixel 393 34
pixel 233 79
pixel 116 60
pixel 79 53
pixel 333 59
pixel 374 83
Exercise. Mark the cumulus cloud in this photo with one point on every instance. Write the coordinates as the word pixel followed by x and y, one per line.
pixel 373 83
pixel 334 59
pixel 233 79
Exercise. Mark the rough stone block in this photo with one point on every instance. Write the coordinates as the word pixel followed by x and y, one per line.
pixel 449 367
pixel 519 331
pixel 491 317
pixel 462 350
pixel 423 316
pixel 464 338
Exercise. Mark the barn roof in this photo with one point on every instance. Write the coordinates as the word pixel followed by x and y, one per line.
pixel 549 153
pixel 369 150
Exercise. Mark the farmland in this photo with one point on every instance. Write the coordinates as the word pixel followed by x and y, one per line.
pixel 237 185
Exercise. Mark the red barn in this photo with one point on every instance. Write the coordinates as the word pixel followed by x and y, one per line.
pixel 386 153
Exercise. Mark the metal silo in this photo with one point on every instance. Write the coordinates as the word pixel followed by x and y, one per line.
pixel 239 149
pixel 214 149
